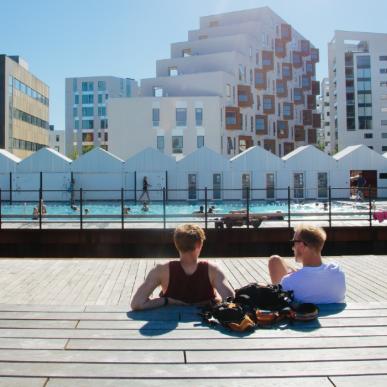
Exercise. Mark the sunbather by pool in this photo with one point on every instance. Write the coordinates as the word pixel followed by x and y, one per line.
pixel 316 282
pixel 187 281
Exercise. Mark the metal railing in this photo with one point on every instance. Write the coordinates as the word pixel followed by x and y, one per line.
pixel 292 201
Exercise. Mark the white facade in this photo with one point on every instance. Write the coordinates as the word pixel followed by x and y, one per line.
pixel 358 89
pixel 57 141
pixel 253 64
pixel 87 123
pixel 8 163
pixel 325 117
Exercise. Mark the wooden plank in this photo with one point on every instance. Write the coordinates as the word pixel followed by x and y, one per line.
pixel 287 355
pixel 22 382
pixel 40 324
pixel 361 381
pixel 227 343
pixel 262 382
pixel 25 343
pixel 53 356
pixel 270 370
pixel 40 308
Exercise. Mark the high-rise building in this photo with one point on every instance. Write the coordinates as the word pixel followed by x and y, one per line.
pixel 86 116
pixel 358 89
pixel 323 101
pixel 24 108
pixel 243 78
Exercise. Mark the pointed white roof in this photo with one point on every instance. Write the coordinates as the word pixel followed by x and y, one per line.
pixel 348 150
pixel 97 160
pixel 308 157
pixel 45 160
pixel 297 151
pixel 203 159
pixel 360 157
pixel 256 158
pixel 8 161
pixel 149 159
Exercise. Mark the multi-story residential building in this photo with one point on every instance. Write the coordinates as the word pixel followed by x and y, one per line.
pixel 56 140
pixel 255 66
pixel 358 89
pixel 87 124
pixel 325 116
pixel 24 108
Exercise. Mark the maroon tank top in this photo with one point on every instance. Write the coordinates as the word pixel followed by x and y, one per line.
pixel 192 288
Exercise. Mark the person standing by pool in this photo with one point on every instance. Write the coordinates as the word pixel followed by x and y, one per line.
pixel 315 282
pixel 145 186
pixel 187 281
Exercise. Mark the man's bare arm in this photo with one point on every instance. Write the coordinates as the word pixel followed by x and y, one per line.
pixel 220 283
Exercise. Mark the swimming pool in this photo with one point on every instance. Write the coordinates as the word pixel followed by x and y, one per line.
pixel 112 209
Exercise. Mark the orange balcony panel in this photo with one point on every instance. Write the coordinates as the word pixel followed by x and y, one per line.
pixel 260 79
pixel 299 133
pixel 282 129
pixel 305 47
pixel 245 97
pixel 316 121
pixel 280 48
pixel 307 117
pixel 286 32
pixel 312 137
pixel 315 87
pixel 233 118
pixel 306 82
pixel 297 59
pixel 288 147
pixel 268 104
pixel 269 145
pixel 247 140
pixel 311 101
pixel 267 60
pixel 261 124
pixel 287 71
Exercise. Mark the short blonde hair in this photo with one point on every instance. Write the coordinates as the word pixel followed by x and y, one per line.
pixel 187 236
pixel 313 236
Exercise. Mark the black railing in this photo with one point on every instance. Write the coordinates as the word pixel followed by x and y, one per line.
pixel 293 201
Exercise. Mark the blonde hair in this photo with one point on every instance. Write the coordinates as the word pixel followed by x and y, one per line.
pixel 313 236
pixel 186 237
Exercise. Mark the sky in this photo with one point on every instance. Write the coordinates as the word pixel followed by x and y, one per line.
pixel 125 38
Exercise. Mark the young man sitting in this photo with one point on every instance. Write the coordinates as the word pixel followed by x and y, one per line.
pixel 315 282
pixel 186 281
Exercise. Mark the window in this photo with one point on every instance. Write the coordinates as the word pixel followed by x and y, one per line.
pixel 100 100
pixel 384 135
pixel 216 186
pixel 57 138
pixel 104 123
pixel 87 137
pixel 87 86
pixel 240 72
pixel 228 90
pixel 298 182
pixel 101 85
pixel 270 186
pixel 192 181
pixel 76 124
pixel 75 86
pixel 322 184
pixel 75 112
pixel 181 117
pixel 160 143
pixel 87 124
pixel 363 61
pixel 102 111
pixel 383 84
pixel 368 135
pixel 198 116
pixel 384 148
pixel 88 112
pixel 186 52
pixel 260 124
pixel 287 111
pixel 383 71
pixel 172 71
pixel 177 144
pixel 76 99
pixel 155 117
pixel 364 73
pixel 245 185
pixel 157 91
pixel 231 118
pixel 200 141
pixel 267 103
pixel 87 99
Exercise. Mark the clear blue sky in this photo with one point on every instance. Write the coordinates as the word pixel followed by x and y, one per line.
pixel 124 38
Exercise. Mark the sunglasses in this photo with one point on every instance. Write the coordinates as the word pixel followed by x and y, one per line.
pixel 294 241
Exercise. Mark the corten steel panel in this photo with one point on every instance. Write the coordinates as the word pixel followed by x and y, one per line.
pixel 260 74
pixel 280 48
pixel 282 129
pixel 311 101
pixel 291 115
pixel 287 66
pixel 288 147
pixel 272 99
pixel 307 117
pixel 269 57
pixel 306 82
pixel 248 139
pixel 297 59
pixel 302 100
pixel 270 145
pixel 151 243
pixel 310 68
pixel 305 47
pixel 286 32
pixel 283 83
pixel 265 130
pixel 236 111
pixel 299 133
pixel 315 87
pixel 245 91
pixel 312 137
pixel 314 55
pixel 316 120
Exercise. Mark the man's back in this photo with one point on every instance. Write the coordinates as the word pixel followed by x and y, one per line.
pixel 323 284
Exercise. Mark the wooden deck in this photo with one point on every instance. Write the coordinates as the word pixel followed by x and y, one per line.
pixel 67 323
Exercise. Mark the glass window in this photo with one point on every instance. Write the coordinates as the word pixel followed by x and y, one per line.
pixel 181 117
pixel 87 98
pixel 177 144
pixel 231 118
pixel 76 99
pixel 87 86
pixel 270 186
pixel 160 143
pixel 76 124
pixel 157 91
pixel 363 61
pixel 87 124
pixel 101 85
pixel 298 182
pixel 322 183
pixel 88 112
pixel 75 84
pixel 101 111
pixel 228 90
pixel 245 185
pixel 100 100
pixel 198 116
pixel 200 141
pixel 172 71
pixel 104 123
pixel 156 116
pixel 260 124
pixel 192 180
pixel 75 112
pixel 383 57
pixel 240 72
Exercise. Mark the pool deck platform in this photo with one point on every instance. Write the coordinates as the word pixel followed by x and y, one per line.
pixel 66 322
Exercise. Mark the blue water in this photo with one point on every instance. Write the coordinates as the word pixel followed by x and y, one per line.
pixel 179 208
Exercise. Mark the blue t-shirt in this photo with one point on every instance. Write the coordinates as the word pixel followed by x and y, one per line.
pixel 323 284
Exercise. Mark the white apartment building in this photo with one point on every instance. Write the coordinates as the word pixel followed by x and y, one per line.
pixel 87 124
pixel 325 117
pixel 358 89
pixel 56 140
pixel 247 77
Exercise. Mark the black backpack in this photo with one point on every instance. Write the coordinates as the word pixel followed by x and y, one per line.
pixel 270 297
